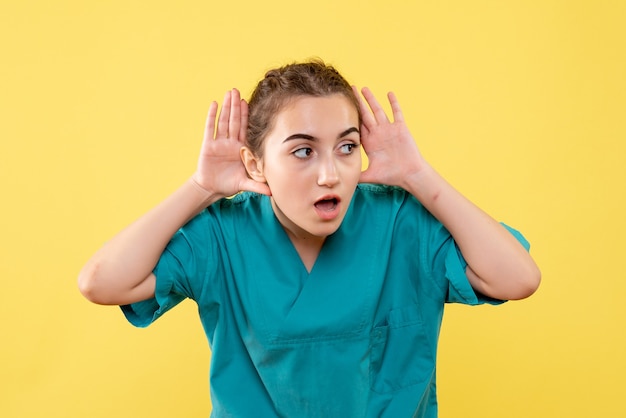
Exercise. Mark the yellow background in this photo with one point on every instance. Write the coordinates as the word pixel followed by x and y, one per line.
pixel 520 104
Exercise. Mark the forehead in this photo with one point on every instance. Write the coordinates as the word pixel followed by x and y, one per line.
pixel 312 112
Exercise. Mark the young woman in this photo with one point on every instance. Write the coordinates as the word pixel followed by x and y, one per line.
pixel 320 287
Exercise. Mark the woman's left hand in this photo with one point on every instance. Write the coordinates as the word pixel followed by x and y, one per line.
pixel 391 150
pixel 498 266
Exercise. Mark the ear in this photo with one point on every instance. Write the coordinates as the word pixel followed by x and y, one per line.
pixel 253 165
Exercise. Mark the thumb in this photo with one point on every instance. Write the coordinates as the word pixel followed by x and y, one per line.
pixel 257 187
pixel 368 176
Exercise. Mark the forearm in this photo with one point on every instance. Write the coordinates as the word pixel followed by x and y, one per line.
pixel 120 272
pixel 498 265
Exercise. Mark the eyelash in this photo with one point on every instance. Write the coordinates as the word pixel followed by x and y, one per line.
pixel 308 150
pixel 351 148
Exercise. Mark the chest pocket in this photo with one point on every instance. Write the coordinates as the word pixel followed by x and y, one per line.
pixel 401 355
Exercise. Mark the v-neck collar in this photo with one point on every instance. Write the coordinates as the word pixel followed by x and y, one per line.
pixel 293 304
pixel 281 233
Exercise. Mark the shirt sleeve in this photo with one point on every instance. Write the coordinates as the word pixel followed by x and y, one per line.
pixel 459 287
pixel 181 272
pixel 441 263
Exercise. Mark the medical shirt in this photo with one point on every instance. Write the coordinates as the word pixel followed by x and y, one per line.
pixel 354 337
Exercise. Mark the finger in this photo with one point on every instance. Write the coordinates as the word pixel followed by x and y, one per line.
pixel 366 113
pixel 377 109
pixel 235 114
pixel 365 131
pixel 365 135
pixel 209 126
pixel 243 129
pixel 222 121
pixel 395 107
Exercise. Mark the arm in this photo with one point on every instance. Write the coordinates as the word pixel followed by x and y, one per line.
pixel 498 265
pixel 121 271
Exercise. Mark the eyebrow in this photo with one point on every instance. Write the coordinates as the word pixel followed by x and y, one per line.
pixel 312 138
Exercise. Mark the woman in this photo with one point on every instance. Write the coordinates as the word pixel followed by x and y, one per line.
pixel 320 287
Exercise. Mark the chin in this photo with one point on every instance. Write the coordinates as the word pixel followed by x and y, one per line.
pixel 328 229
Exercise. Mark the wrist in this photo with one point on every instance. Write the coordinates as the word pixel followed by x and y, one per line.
pixel 205 196
pixel 426 185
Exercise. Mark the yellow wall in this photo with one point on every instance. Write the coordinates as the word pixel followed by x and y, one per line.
pixel 520 104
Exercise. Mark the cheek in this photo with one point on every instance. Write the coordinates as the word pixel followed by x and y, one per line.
pixel 353 171
pixel 280 178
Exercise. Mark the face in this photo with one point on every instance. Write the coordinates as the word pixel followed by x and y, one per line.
pixel 312 164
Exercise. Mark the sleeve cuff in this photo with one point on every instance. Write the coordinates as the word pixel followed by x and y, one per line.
pixel 460 289
pixel 141 314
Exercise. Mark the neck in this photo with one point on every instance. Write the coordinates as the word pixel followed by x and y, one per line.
pixel 307 245
pixel 308 249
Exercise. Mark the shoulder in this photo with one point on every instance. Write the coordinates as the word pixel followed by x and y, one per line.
pixel 392 204
pixel 377 205
pixel 245 202
pixel 379 194
pixel 224 211
pixel 382 196
pixel 244 212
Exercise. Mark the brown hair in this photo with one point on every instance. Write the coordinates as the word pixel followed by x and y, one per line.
pixel 280 85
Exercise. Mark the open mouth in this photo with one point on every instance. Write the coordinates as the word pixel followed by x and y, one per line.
pixel 327 205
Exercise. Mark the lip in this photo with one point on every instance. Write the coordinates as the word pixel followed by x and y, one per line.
pixel 327 212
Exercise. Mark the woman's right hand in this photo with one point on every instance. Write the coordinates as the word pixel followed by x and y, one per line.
pixel 220 170
pixel 120 272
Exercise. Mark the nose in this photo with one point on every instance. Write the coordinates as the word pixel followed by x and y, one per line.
pixel 328 175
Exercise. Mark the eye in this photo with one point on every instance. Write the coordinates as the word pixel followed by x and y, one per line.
pixel 347 148
pixel 303 152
